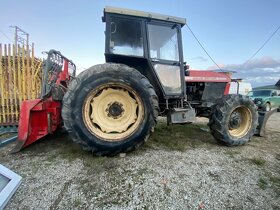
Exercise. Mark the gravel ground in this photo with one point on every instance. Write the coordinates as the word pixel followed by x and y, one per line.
pixel 198 174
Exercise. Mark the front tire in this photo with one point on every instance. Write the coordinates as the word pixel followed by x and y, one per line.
pixel 234 120
pixel 110 108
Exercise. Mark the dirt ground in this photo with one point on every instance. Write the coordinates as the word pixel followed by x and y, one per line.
pixel 180 167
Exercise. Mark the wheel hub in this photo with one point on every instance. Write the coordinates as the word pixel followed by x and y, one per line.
pixel 115 110
pixel 235 120
pixel 240 122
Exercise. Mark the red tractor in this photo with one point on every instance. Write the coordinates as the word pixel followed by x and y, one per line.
pixel 113 107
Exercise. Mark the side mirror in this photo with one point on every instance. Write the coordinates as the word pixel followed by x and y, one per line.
pixel 186 67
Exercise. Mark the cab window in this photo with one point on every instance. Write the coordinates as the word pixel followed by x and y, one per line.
pixel 163 42
pixel 126 37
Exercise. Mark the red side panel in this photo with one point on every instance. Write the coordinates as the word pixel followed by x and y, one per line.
pixel 37 119
pixel 64 75
pixel 207 76
pixel 25 108
pixel 227 88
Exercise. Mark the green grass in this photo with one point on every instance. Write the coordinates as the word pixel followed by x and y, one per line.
pixel 51 158
pixel 173 137
pixel 232 153
pixel 263 183
pixel 275 182
pixel 270 181
pixel 258 161
pixel 71 151
pixel 180 137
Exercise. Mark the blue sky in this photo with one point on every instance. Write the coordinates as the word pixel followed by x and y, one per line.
pixel 230 30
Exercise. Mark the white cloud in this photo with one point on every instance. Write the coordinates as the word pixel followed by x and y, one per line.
pixel 259 72
pixel 200 58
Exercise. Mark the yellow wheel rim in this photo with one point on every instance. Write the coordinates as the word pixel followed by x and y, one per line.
pixel 240 121
pixel 113 112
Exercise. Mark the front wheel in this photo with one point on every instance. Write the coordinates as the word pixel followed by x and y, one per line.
pixel 234 120
pixel 110 108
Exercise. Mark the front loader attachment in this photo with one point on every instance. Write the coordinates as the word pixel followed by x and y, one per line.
pixel 262 120
pixel 37 119
pixel 40 117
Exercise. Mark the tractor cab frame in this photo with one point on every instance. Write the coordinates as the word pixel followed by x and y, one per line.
pixel 152 44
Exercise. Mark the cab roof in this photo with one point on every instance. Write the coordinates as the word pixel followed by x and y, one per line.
pixel 122 11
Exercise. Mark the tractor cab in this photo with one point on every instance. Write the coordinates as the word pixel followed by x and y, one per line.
pixel 150 43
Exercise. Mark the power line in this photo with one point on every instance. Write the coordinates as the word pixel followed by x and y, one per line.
pixel 19 39
pixel 6 36
pixel 262 46
pixel 203 47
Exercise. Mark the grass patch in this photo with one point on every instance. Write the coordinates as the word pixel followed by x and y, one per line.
pixel 258 161
pixel 270 181
pixel 51 158
pixel 275 183
pixel 180 137
pixel 71 152
pixel 77 202
pixel 232 153
pixel 173 137
pixel 263 183
pixel 167 191
pixel 90 161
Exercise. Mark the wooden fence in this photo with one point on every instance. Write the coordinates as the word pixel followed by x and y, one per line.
pixel 20 79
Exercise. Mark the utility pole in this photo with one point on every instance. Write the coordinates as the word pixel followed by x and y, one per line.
pixel 20 37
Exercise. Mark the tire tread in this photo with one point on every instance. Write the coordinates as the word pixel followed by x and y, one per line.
pixel 77 83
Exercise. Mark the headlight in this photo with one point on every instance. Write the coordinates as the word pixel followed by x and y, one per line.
pixel 258 101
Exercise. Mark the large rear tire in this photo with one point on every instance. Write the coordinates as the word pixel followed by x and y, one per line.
pixel 110 108
pixel 234 120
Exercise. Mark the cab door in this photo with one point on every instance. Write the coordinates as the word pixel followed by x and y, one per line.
pixel 165 55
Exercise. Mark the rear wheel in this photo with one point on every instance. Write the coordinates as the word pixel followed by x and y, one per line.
pixel 110 108
pixel 234 120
